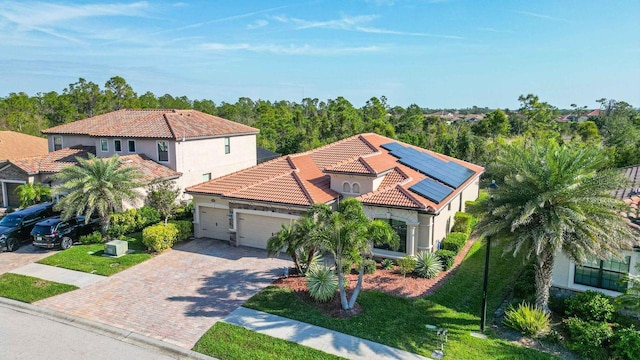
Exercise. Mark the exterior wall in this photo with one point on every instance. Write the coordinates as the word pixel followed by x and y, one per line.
pixel 564 270
pixel 366 183
pixel 470 193
pixel 143 146
pixel 440 221
pixel 10 178
pixel 71 140
pixel 236 208
pixel 197 157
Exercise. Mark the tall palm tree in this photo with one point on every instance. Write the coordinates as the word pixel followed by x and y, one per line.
pixel 554 199
pixel 97 186
pixel 32 193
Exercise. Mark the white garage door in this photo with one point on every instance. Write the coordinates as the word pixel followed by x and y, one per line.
pixel 255 230
pixel 214 223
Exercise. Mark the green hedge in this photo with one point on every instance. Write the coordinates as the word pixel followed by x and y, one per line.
pixel 446 258
pixel 462 223
pixel 454 241
pixel 132 220
pixel 185 228
pixel 160 237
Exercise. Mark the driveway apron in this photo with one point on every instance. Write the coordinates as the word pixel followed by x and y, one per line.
pixel 26 254
pixel 176 296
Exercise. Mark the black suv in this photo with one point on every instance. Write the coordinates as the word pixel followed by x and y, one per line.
pixel 54 232
pixel 15 227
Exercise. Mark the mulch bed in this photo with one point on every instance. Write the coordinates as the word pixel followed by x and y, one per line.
pixel 387 281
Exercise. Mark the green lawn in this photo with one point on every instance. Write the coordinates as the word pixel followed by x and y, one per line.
pixel 88 258
pixel 226 341
pixel 29 289
pixel 400 322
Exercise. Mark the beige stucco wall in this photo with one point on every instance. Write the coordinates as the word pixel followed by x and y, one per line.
pixel 366 183
pixel 71 140
pixel 564 270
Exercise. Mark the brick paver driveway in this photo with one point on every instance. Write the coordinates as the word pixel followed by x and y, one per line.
pixel 25 255
pixel 177 296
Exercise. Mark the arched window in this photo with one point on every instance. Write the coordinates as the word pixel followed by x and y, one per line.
pixel 346 187
pixel 355 188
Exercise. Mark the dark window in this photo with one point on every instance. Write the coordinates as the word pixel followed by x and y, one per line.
pixel 104 145
pixel 117 145
pixel 227 145
pixel 163 151
pixel 400 227
pixel 132 146
pixel 57 143
pixel 609 274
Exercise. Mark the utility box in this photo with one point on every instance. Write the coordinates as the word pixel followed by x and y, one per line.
pixel 116 248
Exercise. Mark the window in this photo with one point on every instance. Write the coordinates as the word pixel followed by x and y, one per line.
pixel 104 145
pixel 206 177
pixel 355 188
pixel 400 227
pixel 117 145
pixel 346 187
pixel 227 145
pixel 163 151
pixel 132 146
pixel 57 143
pixel 609 274
pixel 449 207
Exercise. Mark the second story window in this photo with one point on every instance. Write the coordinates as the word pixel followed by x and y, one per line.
pixel 163 151
pixel 117 145
pixel 132 146
pixel 57 143
pixel 104 145
pixel 346 187
pixel 355 188
pixel 227 145
pixel 206 177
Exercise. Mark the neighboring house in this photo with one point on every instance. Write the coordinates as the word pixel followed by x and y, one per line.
pixel 197 145
pixel 416 190
pixel 265 155
pixel 605 275
pixel 14 145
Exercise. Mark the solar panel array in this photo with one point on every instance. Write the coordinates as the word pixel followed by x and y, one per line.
pixel 447 172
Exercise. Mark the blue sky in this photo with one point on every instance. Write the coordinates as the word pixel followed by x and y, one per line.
pixel 438 53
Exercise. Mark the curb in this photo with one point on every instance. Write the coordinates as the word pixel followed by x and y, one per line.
pixel 106 330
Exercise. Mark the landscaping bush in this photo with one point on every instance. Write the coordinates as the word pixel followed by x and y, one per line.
pixel 183 212
pixel 347 264
pixel 590 306
pixel 406 264
pixel 462 223
pixel 386 264
pixel 159 237
pixel 446 258
pixel 588 338
pixel 303 258
pixel 626 344
pixel 322 282
pixel 427 265
pixel 524 288
pixel 527 319
pixel 93 238
pixel 147 216
pixel 185 228
pixel 370 266
pixel 454 242
pixel 478 206
pixel 132 220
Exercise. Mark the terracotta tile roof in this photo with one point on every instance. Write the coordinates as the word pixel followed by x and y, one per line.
pixel 159 124
pixel 149 169
pixel 632 173
pixel 303 179
pixel 14 145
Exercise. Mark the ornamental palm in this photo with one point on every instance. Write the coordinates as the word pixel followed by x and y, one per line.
pixel 556 198
pixel 32 193
pixel 97 186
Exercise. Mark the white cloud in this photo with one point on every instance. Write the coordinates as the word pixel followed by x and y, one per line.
pixel 258 24
pixel 543 16
pixel 290 49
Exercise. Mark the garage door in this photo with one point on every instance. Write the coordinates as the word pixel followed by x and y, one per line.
pixel 255 230
pixel 214 223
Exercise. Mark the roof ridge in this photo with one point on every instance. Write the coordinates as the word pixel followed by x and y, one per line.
pixel 409 195
pixel 309 152
pixel 366 164
pixel 306 192
pixel 406 176
pixel 369 144
pixel 166 121
pixel 343 162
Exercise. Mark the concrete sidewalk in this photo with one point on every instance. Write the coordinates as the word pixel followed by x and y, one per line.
pixel 58 274
pixel 316 337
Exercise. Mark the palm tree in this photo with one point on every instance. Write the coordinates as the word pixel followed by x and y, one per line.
pixel 97 186
pixel 348 233
pixel 554 199
pixel 32 193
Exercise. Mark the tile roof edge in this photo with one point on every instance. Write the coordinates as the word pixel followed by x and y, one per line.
pixel 410 196
pixel 306 192
pixel 367 142
pixel 166 121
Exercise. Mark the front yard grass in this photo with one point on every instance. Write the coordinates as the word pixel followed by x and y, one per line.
pixel 400 322
pixel 29 289
pixel 226 341
pixel 89 259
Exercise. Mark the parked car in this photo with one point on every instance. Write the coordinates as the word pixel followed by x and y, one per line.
pixel 54 232
pixel 15 228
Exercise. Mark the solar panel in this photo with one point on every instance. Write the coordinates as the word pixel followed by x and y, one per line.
pixel 392 146
pixel 431 190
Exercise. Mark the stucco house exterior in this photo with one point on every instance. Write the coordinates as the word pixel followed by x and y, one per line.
pixel 605 275
pixel 412 188
pixel 15 145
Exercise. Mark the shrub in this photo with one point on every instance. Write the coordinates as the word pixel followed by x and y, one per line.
pixel 626 344
pixel 370 266
pixel 159 237
pixel 427 265
pixel 590 306
pixel 527 319
pixel 480 205
pixel 185 228
pixel 347 264
pixel 93 238
pixel 303 258
pixel 386 264
pixel 122 223
pixel 147 216
pixel 183 212
pixel 321 282
pixel 588 338
pixel 446 258
pixel 406 264
pixel 524 288
pixel 462 223
pixel 454 242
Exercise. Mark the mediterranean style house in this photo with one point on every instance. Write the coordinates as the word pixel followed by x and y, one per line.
pixel 605 275
pixel 15 145
pixel 416 190
pixel 187 146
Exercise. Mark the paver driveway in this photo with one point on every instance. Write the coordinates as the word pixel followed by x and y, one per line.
pixel 26 254
pixel 177 296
